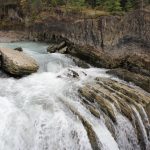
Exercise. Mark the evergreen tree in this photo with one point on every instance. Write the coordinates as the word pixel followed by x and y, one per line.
pixel 128 5
pixel 91 2
pixel 113 5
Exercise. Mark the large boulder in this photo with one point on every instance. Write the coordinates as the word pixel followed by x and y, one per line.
pixel 17 63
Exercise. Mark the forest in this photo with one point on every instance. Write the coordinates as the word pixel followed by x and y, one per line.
pixel 108 5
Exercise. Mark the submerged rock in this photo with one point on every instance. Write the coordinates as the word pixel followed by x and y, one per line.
pixel 72 73
pixel 17 63
pixel 19 49
pixel 52 48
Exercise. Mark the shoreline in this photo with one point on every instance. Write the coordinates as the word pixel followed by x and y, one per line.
pixel 13 36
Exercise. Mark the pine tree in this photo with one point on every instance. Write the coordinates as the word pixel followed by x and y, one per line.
pixel 113 5
pixel 117 5
pixel 128 5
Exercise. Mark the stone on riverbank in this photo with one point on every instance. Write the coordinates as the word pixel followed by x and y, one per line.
pixel 17 63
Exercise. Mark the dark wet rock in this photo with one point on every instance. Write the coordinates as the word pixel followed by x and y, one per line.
pixel 138 79
pixel 52 48
pixel 59 76
pixel 3 74
pixel 69 74
pixel 57 47
pixel 17 63
pixel 72 73
pixel 19 49
pixel 80 63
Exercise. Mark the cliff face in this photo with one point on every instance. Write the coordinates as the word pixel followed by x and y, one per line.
pixel 103 32
pixel 106 41
pixel 133 27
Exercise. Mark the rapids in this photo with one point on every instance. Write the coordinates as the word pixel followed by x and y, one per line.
pixel 34 113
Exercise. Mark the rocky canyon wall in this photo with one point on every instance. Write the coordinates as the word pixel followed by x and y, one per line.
pixel 102 32
pixel 105 41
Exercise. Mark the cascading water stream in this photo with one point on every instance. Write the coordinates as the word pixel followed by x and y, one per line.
pixel 38 112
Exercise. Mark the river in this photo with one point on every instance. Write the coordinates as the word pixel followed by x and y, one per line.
pixel 33 114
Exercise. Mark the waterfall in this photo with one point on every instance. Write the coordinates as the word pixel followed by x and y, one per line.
pixel 44 111
pixel 142 128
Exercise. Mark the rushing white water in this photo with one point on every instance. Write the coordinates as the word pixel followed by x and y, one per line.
pixel 33 114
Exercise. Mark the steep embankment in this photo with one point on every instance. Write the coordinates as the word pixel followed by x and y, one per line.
pixel 102 32
pixel 105 41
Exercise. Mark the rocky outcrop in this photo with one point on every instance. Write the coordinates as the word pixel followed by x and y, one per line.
pixel 17 63
pixel 108 98
pixel 105 41
pixel 138 63
pixel 138 79
pixel 93 56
